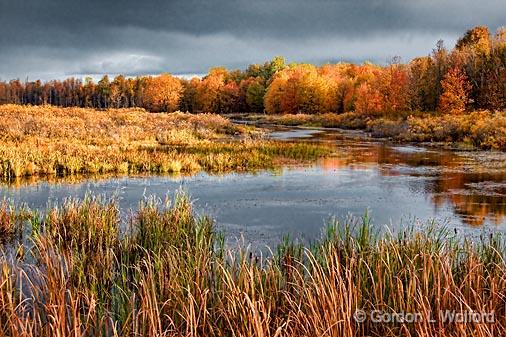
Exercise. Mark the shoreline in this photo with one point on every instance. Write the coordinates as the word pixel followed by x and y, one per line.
pixel 368 131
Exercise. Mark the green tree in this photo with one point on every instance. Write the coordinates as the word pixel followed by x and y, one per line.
pixel 255 96
pixel 104 92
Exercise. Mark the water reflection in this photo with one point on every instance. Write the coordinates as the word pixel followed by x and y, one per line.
pixel 396 183
pixel 475 191
pixel 475 197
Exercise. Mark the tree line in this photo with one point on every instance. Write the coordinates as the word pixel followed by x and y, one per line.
pixel 471 76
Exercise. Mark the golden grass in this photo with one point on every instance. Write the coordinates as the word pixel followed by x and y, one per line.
pixel 53 141
pixel 348 120
pixel 170 275
pixel 478 129
pixel 482 129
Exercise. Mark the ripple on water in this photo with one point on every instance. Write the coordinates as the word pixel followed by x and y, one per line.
pixel 391 181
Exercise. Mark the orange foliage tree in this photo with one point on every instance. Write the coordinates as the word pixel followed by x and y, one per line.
pixel 367 96
pixel 422 84
pixel 455 92
pixel 298 89
pixel 208 91
pixel 189 96
pixel 274 87
pixel 394 89
pixel 369 100
pixel 477 38
pixel 275 92
pixel 162 93
pixel 493 93
pixel 228 98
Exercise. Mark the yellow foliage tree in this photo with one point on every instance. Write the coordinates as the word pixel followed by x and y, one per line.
pixel 299 89
pixel 275 93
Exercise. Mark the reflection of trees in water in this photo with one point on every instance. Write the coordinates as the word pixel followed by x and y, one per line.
pixel 472 200
pixel 473 204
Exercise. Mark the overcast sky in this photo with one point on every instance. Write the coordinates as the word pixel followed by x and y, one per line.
pixel 59 38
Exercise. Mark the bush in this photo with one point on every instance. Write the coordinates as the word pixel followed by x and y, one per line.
pixel 482 129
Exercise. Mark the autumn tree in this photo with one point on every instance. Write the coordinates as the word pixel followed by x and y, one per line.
pixel 335 78
pixel 297 89
pixel 369 100
pixel 88 93
pixel 472 51
pixel 422 86
pixel 162 93
pixel 438 69
pixel 104 92
pixel 4 98
pixel 275 92
pixel 267 70
pixel 312 92
pixel 478 39
pixel 493 91
pixel 228 98
pixel 119 92
pixel 344 80
pixel 138 86
pixel 189 96
pixel 393 85
pixel 208 91
pixel 272 67
pixel 455 92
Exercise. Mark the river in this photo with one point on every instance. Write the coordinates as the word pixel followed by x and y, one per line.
pixel 398 185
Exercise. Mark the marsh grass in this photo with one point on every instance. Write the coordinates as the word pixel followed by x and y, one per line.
pixel 348 120
pixel 12 220
pixel 52 141
pixel 169 274
pixel 477 129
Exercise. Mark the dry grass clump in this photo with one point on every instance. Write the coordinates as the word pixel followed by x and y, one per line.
pixel 102 127
pixel 169 274
pixel 52 141
pixel 480 129
pixel 348 120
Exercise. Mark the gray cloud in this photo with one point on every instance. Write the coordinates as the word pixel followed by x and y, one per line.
pixel 57 38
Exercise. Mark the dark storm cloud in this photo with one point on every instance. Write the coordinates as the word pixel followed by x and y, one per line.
pixel 48 38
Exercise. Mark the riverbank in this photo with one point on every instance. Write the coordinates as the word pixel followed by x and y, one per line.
pixel 169 274
pixel 53 141
pixel 476 130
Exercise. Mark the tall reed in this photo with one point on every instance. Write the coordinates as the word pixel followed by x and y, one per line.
pixel 165 272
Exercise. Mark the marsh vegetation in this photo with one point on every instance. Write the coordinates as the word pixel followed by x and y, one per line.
pixel 476 130
pixel 87 267
pixel 164 272
pixel 452 96
pixel 53 141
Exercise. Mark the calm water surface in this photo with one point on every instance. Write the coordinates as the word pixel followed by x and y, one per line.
pixel 397 185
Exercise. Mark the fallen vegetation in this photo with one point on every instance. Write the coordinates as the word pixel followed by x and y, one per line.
pixel 164 272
